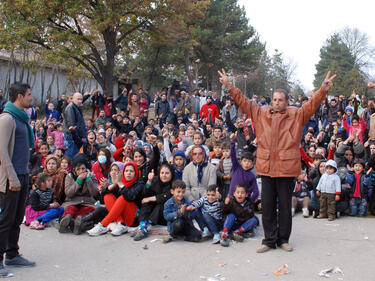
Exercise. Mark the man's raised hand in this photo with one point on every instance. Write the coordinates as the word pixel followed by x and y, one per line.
pixel 327 83
pixel 224 79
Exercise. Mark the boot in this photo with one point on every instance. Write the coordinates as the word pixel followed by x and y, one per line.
pixel 66 224
pixel 84 223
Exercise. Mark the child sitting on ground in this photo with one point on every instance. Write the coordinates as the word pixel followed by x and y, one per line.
pixel 177 215
pixel 43 208
pixel 240 218
pixel 300 197
pixel 210 207
pixel 329 190
pixel 359 182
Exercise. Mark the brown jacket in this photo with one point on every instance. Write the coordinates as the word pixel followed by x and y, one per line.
pixel 80 195
pixel 278 134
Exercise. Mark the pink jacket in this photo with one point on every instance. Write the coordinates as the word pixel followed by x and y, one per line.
pixel 59 139
pixel 352 129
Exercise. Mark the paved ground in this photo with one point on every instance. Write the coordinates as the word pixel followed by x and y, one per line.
pixel 347 243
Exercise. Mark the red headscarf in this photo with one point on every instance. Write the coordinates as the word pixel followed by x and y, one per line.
pixel 126 183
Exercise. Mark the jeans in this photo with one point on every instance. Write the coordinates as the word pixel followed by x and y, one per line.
pixel 184 227
pixel 198 217
pixel 51 214
pixel 213 224
pixel 231 224
pixel 12 211
pixel 71 148
pixel 358 206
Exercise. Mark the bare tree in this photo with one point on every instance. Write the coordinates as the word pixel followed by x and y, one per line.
pixel 359 46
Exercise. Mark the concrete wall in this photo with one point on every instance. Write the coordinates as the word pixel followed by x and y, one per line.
pixel 45 82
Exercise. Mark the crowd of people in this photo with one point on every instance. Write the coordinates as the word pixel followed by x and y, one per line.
pixel 193 159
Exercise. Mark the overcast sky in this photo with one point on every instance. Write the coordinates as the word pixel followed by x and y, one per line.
pixel 298 29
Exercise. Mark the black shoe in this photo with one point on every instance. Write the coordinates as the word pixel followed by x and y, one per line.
pixel 82 224
pixel 140 235
pixel 65 224
pixel 19 261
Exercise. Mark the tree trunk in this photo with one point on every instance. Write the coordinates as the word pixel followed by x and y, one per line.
pixel 109 36
pixel 187 70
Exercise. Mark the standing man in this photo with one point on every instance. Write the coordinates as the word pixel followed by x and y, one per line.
pixel 16 140
pixel 74 125
pixel 278 130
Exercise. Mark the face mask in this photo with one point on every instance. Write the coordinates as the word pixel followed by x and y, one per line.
pixel 102 159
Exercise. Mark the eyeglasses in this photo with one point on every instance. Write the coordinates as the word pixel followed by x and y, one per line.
pixel 197 153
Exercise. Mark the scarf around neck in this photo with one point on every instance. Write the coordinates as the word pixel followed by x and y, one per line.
pixel 22 116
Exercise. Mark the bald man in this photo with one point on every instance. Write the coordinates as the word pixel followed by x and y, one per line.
pixel 74 125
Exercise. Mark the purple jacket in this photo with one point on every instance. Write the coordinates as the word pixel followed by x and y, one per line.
pixel 240 176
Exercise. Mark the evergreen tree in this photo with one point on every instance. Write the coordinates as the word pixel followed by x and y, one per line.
pixel 336 57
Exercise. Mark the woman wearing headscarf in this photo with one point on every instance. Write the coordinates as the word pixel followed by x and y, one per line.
pixel 156 193
pixel 122 200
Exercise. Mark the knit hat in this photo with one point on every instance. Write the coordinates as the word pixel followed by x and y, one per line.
pixel 180 153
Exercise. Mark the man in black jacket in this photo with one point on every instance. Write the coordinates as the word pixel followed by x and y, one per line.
pixel 74 125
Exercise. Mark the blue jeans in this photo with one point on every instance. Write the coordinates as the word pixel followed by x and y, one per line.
pixel 198 217
pixel 231 224
pixel 213 224
pixel 51 214
pixel 71 148
pixel 358 206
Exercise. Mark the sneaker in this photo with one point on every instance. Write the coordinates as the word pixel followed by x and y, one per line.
pixel 237 237
pixel 293 212
pixel 216 238
pixel 167 239
pixel 111 226
pixel 3 272
pixel 65 223
pixel 263 249
pixel 206 233
pixel 338 214
pixel 140 235
pixel 97 230
pixel 249 234
pixel 224 242
pixel 19 261
pixel 305 212
pixel 37 225
pixel 119 229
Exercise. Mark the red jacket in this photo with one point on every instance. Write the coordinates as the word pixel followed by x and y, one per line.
pixel 204 111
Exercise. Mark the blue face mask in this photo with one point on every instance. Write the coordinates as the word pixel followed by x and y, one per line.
pixel 102 159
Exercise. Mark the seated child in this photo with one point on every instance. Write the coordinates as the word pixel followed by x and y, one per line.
pixel 178 217
pixel 240 218
pixel 210 207
pixel 329 190
pixel 42 203
pixel 359 183
pixel 300 197
pixel 217 153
